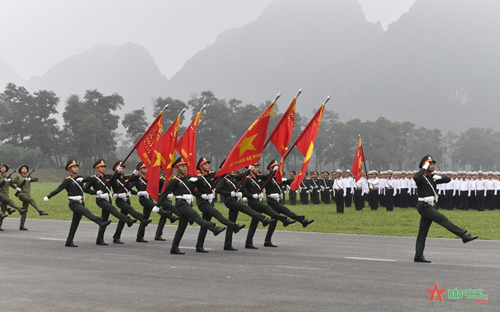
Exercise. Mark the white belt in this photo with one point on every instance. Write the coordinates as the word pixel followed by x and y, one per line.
pixel 429 200
pixel 187 197
pixel 143 194
pixel 76 198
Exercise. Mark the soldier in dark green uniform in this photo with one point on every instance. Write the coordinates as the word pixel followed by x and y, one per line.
pixel 97 186
pixel 427 195
pixel 165 204
pixel 292 195
pixel 228 188
pixel 304 190
pixel 122 195
pixel 183 189
pixel 251 189
pixel 5 184
pixel 273 192
pixel 74 186
pixel 23 186
pixel 206 179
pixel 314 187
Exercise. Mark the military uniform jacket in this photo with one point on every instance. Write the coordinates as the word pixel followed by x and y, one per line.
pixel 118 182
pixel 426 186
pixel 179 186
pixel 26 189
pixel 274 188
pixel 313 185
pixel 139 183
pixel 72 186
pixel 4 191
pixel 96 183
pixel 252 185
pixel 228 184
pixel 205 182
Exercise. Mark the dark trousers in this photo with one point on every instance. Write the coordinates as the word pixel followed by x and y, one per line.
pixel 389 199
pixel 339 200
pixel 449 199
pixel 126 209
pixel 79 210
pixel 292 198
pixel 235 207
pixel 428 214
pixel 147 206
pixel 208 211
pixel 107 209
pixel 315 196
pixel 373 199
pixel 490 200
pixel 348 197
pixel 166 206
pixel 27 201
pixel 304 197
pixel 359 201
pixel 464 200
pixel 265 209
pixel 325 196
pixel 187 212
pixel 480 200
pixel 405 198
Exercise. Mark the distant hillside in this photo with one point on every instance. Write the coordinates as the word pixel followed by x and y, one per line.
pixel 128 70
pixel 438 66
pixel 7 74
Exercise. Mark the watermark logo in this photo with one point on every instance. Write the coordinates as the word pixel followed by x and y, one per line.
pixel 477 295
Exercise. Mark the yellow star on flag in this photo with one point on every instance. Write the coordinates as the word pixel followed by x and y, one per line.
pixel 172 159
pixel 159 159
pixel 246 144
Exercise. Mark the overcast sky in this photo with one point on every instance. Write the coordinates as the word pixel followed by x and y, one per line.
pixel 35 35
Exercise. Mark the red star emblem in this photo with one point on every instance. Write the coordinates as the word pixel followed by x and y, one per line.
pixel 436 292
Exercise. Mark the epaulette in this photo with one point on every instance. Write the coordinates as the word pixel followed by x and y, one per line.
pixel 212 171
pixel 68 177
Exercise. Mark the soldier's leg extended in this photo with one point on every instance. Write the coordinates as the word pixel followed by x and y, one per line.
pixel 165 213
pixel 269 234
pixel 203 230
pixel 251 233
pixel 263 208
pixel 232 216
pixel 181 228
pixel 147 205
pixel 9 202
pixel 74 226
pixel 100 233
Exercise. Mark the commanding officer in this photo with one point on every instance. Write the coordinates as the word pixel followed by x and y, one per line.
pixel 5 183
pixel 292 197
pixel 251 188
pixel 227 187
pixel 426 184
pixel 74 186
pixel 304 190
pixel 23 183
pixel 183 191
pixel 205 204
pixel 122 195
pixel 274 193
pixel 103 198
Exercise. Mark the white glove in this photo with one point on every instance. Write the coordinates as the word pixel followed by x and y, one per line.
pixel 308 191
pixel 210 198
pixel 250 167
pixel 188 198
pixel 105 196
pixel 239 195
pixel 318 191
pixel 46 199
pixel 18 189
pixel 115 195
pixel 27 179
pixel 135 172
pixel 143 193
pixel 284 179
pixel 299 189
pixel 98 193
pixel 122 196
pixel 322 188
pixel 169 196
pixel 436 177
pixel 119 168
pixel 255 196
pixel 275 168
pixel 156 209
pixel 79 179
pixel 193 179
pixel 7 180
pixel 426 165
pixel 233 194
pixel 275 196
pixel 245 200
pixel 261 196
pixel 204 196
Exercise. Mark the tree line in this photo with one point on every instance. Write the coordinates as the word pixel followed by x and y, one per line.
pixel 30 133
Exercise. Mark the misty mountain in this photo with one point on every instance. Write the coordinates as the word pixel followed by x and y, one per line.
pixel 437 66
pixel 7 74
pixel 128 70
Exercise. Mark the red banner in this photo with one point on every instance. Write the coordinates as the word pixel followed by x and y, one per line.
pixel 186 146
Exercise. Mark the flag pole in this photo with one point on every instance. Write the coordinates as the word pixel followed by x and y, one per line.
pixel 364 157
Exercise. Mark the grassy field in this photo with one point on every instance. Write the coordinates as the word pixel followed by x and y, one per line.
pixel 400 222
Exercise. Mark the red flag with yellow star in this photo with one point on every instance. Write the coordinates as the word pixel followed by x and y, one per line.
pixel 163 157
pixel 249 148
pixel 305 144
pixel 282 134
pixel 357 166
pixel 146 144
pixel 186 146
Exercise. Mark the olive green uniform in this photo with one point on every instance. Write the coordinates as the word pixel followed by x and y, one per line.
pixel 4 197
pixel 25 195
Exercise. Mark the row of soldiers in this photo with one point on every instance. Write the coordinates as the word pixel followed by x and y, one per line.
pixel 242 193
pixel 22 185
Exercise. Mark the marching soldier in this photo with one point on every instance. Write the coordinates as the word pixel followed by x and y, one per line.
pixel 96 186
pixel 426 183
pixel 23 186
pixel 292 195
pixel 122 194
pixel 165 204
pixel 205 204
pixel 74 186
pixel 183 189
pixel 227 188
pixel 251 188
pixel 5 184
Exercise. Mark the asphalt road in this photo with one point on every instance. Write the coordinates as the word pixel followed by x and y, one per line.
pixel 307 272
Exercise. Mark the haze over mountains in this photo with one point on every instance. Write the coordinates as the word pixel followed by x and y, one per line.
pixel 437 66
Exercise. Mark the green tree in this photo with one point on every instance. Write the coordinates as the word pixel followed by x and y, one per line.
pixel 135 124
pixel 174 109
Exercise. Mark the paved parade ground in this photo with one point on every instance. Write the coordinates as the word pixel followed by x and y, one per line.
pixel 307 272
